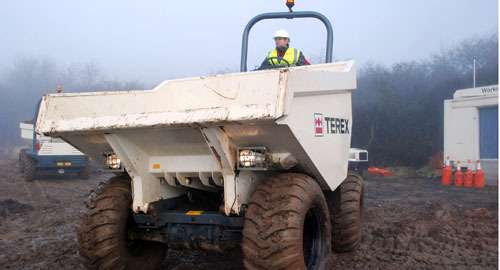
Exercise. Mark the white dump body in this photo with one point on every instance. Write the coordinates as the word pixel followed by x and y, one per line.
pixel 184 133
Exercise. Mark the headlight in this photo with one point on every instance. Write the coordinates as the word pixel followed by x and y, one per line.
pixel 112 161
pixel 63 163
pixel 252 158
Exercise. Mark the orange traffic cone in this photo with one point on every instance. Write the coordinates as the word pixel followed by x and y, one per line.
pixel 446 173
pixel 459 179
pixel 468 177
pixel 479 176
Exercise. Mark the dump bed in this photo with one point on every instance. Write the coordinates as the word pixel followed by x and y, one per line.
pixel 191 128
pixel 193 101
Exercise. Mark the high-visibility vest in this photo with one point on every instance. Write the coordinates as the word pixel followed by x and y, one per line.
pixel 291 58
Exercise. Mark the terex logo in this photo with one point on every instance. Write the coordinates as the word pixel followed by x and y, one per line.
pixel 318 124
pixel 333 125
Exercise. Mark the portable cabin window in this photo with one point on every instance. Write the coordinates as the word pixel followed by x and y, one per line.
pixel 488 132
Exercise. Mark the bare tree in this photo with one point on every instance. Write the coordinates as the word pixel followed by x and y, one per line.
pixel 398 110
pixel 28 78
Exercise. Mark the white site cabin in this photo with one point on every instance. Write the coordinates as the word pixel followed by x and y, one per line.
pixel 471 129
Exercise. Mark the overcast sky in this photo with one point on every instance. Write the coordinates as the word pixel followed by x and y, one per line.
pixel 155 40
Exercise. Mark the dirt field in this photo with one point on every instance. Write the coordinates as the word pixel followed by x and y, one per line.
pixel 409 224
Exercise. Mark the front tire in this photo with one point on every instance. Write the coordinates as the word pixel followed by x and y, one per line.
pixel 104 228
pixel 28 166
pixel 346 206
pixel 287 225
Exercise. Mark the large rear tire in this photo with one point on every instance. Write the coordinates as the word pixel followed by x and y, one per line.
pixel 346 206
pixel 104 229
pixel 287 225
pixel 28 166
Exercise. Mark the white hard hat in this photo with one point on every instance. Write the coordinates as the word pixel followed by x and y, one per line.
pixel 282 34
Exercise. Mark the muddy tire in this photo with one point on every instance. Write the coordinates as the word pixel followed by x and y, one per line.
pixel 346 206
pixel 28 166
pixel 22 152
pixel 104 228
pixel 287 225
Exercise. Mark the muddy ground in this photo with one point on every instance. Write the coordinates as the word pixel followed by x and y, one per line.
pixel 410 223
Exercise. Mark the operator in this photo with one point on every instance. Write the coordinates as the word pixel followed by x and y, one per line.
pixel 283 55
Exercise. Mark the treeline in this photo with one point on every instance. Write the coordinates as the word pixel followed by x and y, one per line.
pixel 28 78
pixel 398 110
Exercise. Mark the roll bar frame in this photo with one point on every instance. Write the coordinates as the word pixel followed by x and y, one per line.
pixel 286 15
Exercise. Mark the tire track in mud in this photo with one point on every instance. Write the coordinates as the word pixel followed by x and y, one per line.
pixel 44 237
pixel 409 223
pixel 445 230
pixel 36 192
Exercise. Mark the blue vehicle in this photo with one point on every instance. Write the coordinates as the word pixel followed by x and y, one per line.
pixel 49 155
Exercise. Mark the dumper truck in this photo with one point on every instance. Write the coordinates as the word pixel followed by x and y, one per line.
pixel 49 155
pixel 257 160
